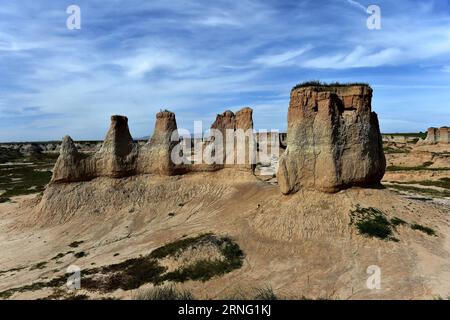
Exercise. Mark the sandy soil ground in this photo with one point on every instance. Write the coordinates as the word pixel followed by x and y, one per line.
pixel 301 245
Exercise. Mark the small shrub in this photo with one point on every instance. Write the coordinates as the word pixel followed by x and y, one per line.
pixel 163 293
pixel 80 254
pixel 265 294
pixel 423 229
pixel 75 244
pixel 40 265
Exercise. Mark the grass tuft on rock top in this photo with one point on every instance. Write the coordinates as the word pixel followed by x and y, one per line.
pixel 324 85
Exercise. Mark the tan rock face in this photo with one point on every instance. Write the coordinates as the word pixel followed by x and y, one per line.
pixel 240 123
pixel 333 140
pixel 437 135
pixel 116 158
pixel 155 156
pixel 67 166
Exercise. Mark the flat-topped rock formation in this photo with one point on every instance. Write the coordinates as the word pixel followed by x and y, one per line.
pixel 333 140
pixel 438 135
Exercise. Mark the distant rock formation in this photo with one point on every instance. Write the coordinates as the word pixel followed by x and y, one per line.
pixel 239 125
pixel 68 166
pixel 334 140
pixel 438 135
pixel 155 155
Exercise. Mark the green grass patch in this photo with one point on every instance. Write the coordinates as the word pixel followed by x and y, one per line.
pixel 395 221
pixel 421 191
pixel 441 183
pixel 423 229
pixel 425 167
pixel 372 222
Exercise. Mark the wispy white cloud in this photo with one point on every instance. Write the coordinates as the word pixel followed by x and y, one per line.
pixel 284 58
pixel 357 5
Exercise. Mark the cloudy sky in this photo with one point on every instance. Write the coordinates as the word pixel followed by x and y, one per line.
pixel 199 58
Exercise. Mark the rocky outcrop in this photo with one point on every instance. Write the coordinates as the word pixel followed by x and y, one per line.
pixel 333 140
pixel 68 166
pixel 116 157
pixel 155 155
pixel 438 135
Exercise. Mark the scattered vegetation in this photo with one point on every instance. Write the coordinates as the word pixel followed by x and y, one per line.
pixel 26 175
pixel 40 265
pixel 163 293
pixel 202 270
pixel 372 222
pixel 133 273
pixel 12 270
pixel 441 183
pixel 422 191
pixel 421 135
pixel 80 254
pixel 390 150
pixel 423 229
pixel 76 244
pixel 61 255
pixel 395 221
pixel 425 166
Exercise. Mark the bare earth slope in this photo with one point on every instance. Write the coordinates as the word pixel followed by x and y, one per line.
pixel 300 245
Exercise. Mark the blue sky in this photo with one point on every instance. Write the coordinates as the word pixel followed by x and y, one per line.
pixel 199 58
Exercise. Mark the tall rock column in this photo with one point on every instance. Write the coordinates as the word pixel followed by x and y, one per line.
pixel 155 155
pixel 334 140
pixel 117 155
